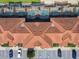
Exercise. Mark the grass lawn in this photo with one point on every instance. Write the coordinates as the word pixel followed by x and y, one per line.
pixel 27 1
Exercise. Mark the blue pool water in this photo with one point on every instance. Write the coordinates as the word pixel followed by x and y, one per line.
pixel 31 13
pixel 44 12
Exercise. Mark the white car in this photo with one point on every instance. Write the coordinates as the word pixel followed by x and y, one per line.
pixel 19 53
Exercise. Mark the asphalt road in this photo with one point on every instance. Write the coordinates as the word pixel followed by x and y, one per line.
pixel 39 54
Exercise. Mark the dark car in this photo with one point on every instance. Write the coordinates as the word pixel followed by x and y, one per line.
pixel 59 53
pixel 74 54
pixel 10 53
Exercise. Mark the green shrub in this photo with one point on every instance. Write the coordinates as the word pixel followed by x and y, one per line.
pixel 55 45
pixel 5 45
pixel 71 45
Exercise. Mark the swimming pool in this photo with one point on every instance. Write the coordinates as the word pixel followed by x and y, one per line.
pixel 44 12
pixel 31 13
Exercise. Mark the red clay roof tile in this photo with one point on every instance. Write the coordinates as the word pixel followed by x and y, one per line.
pixel 76 30
pixel 19 29
pixel 9 23
pixel 53 30
pixel 66 23
pixel 44 32
pixel 37 29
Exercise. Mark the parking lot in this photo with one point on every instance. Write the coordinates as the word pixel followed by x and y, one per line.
pixel 39 53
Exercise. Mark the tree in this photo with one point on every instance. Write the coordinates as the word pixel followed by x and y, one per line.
pixel 30 53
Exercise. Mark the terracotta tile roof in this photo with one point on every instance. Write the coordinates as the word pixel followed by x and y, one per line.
pixel 76 30
pixel 47 39
pixel 9 23
pixel 37 29
pixel 53 30
pixel 1 31
pixel 37 43
pixel 67 35
pixel 19 29
pixel 9 36
pixel 1 40
pixel 66 23
pixel 42 34
pixel 33 41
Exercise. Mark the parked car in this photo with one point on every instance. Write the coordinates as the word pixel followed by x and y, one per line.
pixel 74 54
pixel 19 53
pixel 59 53
pixel 10 53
